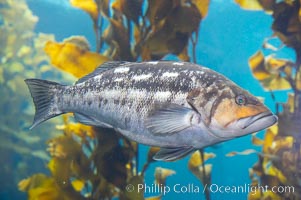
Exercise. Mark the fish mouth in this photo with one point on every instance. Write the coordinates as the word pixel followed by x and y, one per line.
pixel 257 122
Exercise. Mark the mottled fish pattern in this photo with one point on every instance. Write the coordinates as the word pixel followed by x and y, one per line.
pixel 178 106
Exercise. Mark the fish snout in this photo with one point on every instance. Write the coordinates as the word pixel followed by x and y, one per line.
pixel 257 122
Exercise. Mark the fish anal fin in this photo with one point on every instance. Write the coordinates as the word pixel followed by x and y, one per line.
pixel 173 153
pixel 171 119
pixel 84 119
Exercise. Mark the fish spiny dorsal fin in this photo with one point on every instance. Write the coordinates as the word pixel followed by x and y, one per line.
pixel 102 68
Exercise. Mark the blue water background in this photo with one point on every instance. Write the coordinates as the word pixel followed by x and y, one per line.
pixel 228 37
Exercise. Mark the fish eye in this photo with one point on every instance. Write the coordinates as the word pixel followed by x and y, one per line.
pixel 241 100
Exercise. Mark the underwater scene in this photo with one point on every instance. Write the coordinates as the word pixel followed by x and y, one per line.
pixel 174 119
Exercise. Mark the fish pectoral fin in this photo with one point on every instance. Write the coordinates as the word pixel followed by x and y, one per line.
pixel 171 119
pixel 88 120
pixel 172 153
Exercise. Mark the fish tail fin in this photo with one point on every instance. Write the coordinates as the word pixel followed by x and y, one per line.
pixel 42 93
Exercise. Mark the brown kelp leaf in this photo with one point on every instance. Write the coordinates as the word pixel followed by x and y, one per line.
pixel 132 9
pixel 258 194
pixel 104 6
pixel 256 63
pixel 154 198
pixel 40 186
pixel 111 158
pixel 268 71
pixel 178 19
pixel 72 58
pixel 289 124
pixel 195 165
pixel 267 45
pixel 269 5
pixel 70 128
pixel 32 182
pixel 151 153
pixel 277 83
pixel 202 6
pixel 60 170
pixel 131 189
pixel 162 42
pixel 274 64
pixel 116 36
pixel 63 147
pixel 282 143
pixel 80 41
pixel 156 44
pixel 88 6
pixel 233 153
pixel 257 169
pixel 269 138
pixel 286 23
pixel 274 171
pixel 137 34
pixel 78 184
pixel 196 159
pixel 171 34
pixel 291 102
pixel 184 55
pixel 290 161
pixel 257 141
pixel 200 171
pixel 298 80
pixel 46 192
pixel 82 186
pixel 244 153
pixel 249 4
pixel 161 174
pixel 68 159
pixel 158 10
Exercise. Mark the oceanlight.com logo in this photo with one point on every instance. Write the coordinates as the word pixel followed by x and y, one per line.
pixel 212 188
pixel 247 188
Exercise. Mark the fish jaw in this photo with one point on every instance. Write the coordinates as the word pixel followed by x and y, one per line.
pixel 257 122
pixel 234 121
pixel 247 125
pixel 244 126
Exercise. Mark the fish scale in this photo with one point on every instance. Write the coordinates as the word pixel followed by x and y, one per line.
pixel 177 106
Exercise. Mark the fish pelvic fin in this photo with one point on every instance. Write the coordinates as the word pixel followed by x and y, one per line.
pixel 42 93
pixel 173 153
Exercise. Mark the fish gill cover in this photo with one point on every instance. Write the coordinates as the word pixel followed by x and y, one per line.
pixel 92 163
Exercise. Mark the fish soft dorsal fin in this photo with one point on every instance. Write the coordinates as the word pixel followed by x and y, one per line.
pixel 102 68
pixel 171 119
pixel 172 153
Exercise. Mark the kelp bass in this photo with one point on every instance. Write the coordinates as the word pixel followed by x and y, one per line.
pixel 177 106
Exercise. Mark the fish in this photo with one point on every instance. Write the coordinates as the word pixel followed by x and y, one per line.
pixel 177 106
